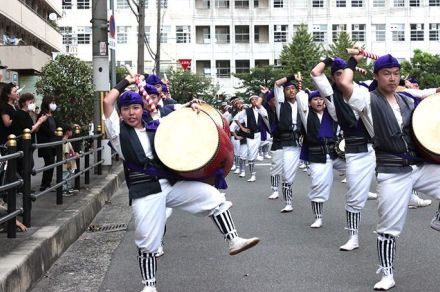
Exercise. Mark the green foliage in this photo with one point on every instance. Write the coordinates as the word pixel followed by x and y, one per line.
pixel 260 75
pixel 70 80
pixel 121 72
pixel 425 67
pixel 301 55
pixel 186 86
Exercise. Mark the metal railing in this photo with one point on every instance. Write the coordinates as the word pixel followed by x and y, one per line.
pixel 78 142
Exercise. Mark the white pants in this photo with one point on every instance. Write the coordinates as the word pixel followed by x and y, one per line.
pixel 394 192
pixel 243 151
pixel 322 178
pixel 276 167
pixel 253 146
pixel 290 163
pixel 236 144
pixel 150 216
pixel 359 173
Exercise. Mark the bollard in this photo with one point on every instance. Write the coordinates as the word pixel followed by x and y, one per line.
pixel 11 176
pixel 99 152
pixel 87 162
pixel 27 169
pixel 60 157
pixel 77 147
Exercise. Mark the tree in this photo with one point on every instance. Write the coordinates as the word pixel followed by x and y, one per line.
pixel 121 72
pixel 301 55
pixel 186 85
pixel 259 75
pixel 70 80
pixel 339 49
pixel 425 67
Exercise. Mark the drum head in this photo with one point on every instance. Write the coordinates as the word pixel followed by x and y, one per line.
pixel 186 140
pixel 426 123
pixel 213 113
pixel 341 145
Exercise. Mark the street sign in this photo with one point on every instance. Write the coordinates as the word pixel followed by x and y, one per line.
pixel 102 48
pixel 112 26
pixel 111 43
pixel 185 63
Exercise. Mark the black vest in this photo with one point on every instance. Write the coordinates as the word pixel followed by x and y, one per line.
pixel 252 123
pixel 319 147
pixel 284 133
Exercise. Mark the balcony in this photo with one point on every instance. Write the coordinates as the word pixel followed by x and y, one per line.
pixel 31 58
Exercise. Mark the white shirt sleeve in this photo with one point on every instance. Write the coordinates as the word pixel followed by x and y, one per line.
pixel 421 93
pixel 241 116
pixel 303 104
pixel 360 102
pixel 279 96
pixel 262 111
pixel 112 126
pixel 323 85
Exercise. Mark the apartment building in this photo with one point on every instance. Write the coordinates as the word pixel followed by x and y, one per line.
pixel 226 36
pixel 28 38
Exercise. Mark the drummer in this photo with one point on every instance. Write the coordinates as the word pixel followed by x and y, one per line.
pixel 399 168
pixel 151 194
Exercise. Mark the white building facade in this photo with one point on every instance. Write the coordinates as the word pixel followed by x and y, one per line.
pixel 226 36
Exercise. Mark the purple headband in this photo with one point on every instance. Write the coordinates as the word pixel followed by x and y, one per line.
pixel 150 89
pixel 386 61
pixel 413 79
pixel 290 83
pixel 154 79
pixel 313 94
pixel 164 88
pixel 269 95
pixel 338 64
pixel 129 98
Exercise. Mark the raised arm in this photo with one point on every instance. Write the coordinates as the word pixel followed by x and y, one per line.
pixel 112 96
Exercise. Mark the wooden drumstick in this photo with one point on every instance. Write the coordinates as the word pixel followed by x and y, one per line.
pixel 142 91
pixel 362 70
pixel 298 76
pixel 352 51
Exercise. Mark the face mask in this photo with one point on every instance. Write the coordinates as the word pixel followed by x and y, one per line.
pixel 52 107
pixel 31 107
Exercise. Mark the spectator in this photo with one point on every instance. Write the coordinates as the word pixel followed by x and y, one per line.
pixel 3 212
pixel 70 166
pixel 8 99
pixel 46 134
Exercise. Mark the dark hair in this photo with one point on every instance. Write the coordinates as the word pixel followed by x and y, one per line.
pixel 6 90
pixel 67 127
pixel 25 97
pixel 48 99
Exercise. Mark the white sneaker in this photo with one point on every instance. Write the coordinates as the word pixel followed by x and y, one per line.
pixel 351 244
pixel 417 202
pixel 386 283
pixel 302 166
pixel 149 289
pixel 252 179
pixel 372 196
pixel 435 223
pixel 317 223
pixel 233 167
pixel 238 244
pixel 274 196
pixel 267 156
pixel 237 170
pixel 288 208
pixel 160 252
pixel 242 174
pixel 260 158
pixel 344 180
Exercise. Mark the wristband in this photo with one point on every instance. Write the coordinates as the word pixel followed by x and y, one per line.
pixel 290 78
pixel 122 85
pixel 352 63
pixel 327 61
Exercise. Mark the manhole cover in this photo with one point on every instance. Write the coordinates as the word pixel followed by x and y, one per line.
pixel 107 227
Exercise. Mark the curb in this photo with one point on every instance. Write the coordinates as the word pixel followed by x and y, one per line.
pixel 24 266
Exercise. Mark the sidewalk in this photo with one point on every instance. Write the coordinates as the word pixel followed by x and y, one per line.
pixel 25 259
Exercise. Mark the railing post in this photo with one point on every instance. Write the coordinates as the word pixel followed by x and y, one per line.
pixel 87 162
pixel 11 176
pixel 27 168
pixel 77 147
pixel 99 152
pixel 60 157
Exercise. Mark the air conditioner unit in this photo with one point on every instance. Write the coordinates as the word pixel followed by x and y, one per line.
pixel 393 27
pixel 316 28
pixel 80 29
pixel 207 41
pixel 207 71
pixel 419 26
pixel 355 26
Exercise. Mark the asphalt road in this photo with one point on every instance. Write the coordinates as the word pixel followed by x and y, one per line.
pixel 290 257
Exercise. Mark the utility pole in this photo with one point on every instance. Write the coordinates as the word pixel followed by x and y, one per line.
pixel 100 56
pixel 141 33
pixel 112 52
pixel 157 61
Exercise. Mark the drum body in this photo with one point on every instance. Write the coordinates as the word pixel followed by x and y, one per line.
pixel 216 116
pixel 340 148
pixel 426 128
pixel 193 145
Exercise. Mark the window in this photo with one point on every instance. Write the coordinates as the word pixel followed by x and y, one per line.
pixel 261 34
pixel 357 3
pixel 163 3
pixel 183 34
pixel 399 3
pixel 280 33
pixel 379 32
pixel 336 29
pixel 278 3
pixel 66 32
pixel 147 31
pixel 122 4
pixel 277 63
pixel 414 3
pixel 398 32
pixel 241 4
pixel 67 4
pixel 434 2
pixel 434 29
pixel 358 32
pixel 242 34
pixel 417 31
pixel 319 33
pixel 242 66
pixel 221 3
pixel 222 35
pixel 256 3
pixel 122 34
pixel 223 68
pixel 203 34
pixel 317 3
pixel 83 38
pixel 378 3
pixel 165 31
pixel 203 68
pixel 341 3
pixel 83 4
pixel 261 62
